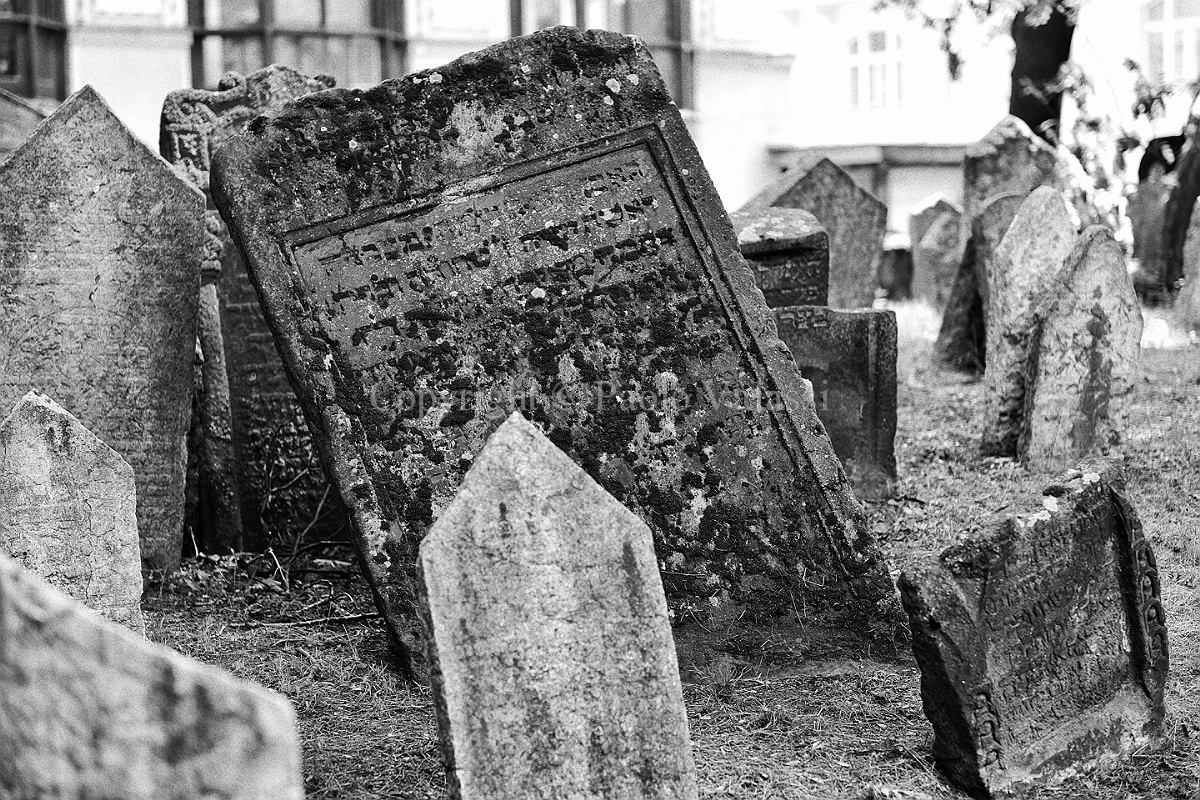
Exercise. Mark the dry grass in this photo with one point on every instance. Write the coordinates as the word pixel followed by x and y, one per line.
pixel 825 726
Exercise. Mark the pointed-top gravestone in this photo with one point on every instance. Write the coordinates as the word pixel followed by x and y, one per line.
pixel 68 510
pixel 855 219
pixel 933 230
pixel 258 467
pixel 531 227
pixel 88 709
pixel 789 252
pixel 1023 269
pixel 550 650
pixel 99 277
pixel 1084 362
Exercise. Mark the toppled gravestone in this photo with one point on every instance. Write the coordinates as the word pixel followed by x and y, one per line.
pixel 68 510
pixel 88 709
pixel 934 236
pixel 1042 641
pixel 1084 357
pixel 850 358
pixel 1025 268
pixel 531 227
pixel 789 252
pixel 552 663
pixel 99 279
pixel 855 219
pixel 257 465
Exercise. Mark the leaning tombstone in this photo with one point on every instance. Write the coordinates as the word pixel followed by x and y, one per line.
pixel 89 709
pixel 789 252
pixel 1042 641
pixel 438 250
pixel 1023 270
pixel 987 229
pixel 1082 368
pixel 542 602
pixel 68 510
pixel 936 249
pixel 98 295
pixel 257 464
pixel 854 218
pixel 18 119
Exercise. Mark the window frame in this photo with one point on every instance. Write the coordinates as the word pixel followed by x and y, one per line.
pixel 28 14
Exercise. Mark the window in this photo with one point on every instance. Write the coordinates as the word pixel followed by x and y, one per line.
pixel 1171 35
pixel 358 42
pixel 662 24
pixel 874 70
pixel 33 40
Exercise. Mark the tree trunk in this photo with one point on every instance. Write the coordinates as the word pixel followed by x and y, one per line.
pixel 1039 53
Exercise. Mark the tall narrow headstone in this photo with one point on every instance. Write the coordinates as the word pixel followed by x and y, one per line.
pixel 1084 359
pixel 1024 269
pixel 1147 215
pixel 789 252
pixel 531 227
pixel 260 473
pixel 89 709
pixel 936 249
pixel 1187 304
pixel 987 229
pixel 550 650
pixel 68 510
pixel 1042 642
pixel 99 279
pixel 855 219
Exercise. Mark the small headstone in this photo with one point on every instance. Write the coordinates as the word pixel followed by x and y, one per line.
pixel 68 510
pixel 99 279
pixel 18 119
pixel 1147 214
pixel 937 253
pixel 1042 642
pixel 855 219
pixel 925 214
pixel 1023 270
pixel 789 252
pixel 552 662
pixel 439 250
pixel 1085 358
pixel 850 359
pixel 1187 304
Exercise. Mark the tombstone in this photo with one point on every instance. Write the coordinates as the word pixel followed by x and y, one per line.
pixel 553 667
pixel 259 472
pixel 18 119
pixel 1147 215
pixel 961 339
pixel 68 510
pixel 789 252
pixel 936 249
pixel 441 249
pixel 1084 360
pixel 1042 641
pixel 1187 304
pixel 98 286
pixel 854 218
pixel 90 709
pixel 1025 268
pixel 850 358
pixel 987 230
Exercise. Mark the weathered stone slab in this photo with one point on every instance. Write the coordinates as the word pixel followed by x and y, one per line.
pixel 18 119
pixel 99 278
pixel 850 358
pixel 260 473
pixel 1187 304
pixel 1023 270
pixel 68 510
pixel 855 219
pixel 1147 213
pixel 531 227
pixel 1042 642
pixel 1084 359
pixel 89 709
pixel 962 339
pixel 789 252
pixel 934 235
pixel 552 663
pixel 987 230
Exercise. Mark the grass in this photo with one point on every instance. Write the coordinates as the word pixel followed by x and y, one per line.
pixel 821 725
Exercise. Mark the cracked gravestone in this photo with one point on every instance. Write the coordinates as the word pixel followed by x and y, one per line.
pixel 854 218
pixel 789 252
pixel 89 709
pixel 68 510
pixel 554 670
pixel 1084 357
pixel 258 466
pixel 1042 641
pixel 1025 267
pixel 99 279
pixel 934 235
pixel 850 358
pixel 531 227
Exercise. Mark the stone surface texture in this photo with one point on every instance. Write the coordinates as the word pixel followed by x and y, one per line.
pixel 789 252
pixel 1187 304
pixel 554 670
pixel 934 236
pixel 987 230
pixel 90 710
pixel 1042 641
pixel 68 510
pixel 1023 269
pixel 99 279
